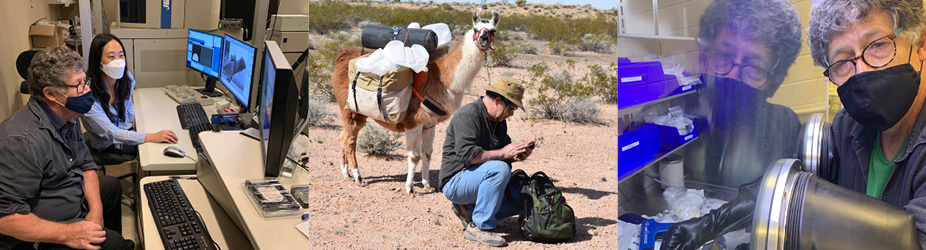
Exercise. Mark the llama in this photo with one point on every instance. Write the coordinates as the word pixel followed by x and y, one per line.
pixel 450 74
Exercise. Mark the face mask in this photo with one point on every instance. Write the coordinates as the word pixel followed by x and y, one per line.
pixel 115 68
pixel 79 104
pixel 879 99
pixel 735 102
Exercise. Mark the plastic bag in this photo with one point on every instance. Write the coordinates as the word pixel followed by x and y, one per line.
pixel 683 203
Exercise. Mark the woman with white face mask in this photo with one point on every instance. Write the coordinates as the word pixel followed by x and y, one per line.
pixel 110 124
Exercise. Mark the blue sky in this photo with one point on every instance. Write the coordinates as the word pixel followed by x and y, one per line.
pixel 601 4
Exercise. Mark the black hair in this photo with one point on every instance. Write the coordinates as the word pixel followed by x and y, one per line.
pixel 492 95
pixel 95 73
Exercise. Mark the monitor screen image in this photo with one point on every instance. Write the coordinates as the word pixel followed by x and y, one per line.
pixel 204 52
pixel 266 99
pixel 238 69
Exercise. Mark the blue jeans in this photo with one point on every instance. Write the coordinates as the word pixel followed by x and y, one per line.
pixel 482 189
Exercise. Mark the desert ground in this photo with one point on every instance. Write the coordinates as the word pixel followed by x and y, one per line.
pixel 581 159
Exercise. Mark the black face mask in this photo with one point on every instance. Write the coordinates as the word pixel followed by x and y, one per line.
pixel 735 102
pixel 879 99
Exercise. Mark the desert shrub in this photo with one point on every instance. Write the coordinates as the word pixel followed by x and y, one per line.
pixel 532 11
pixel 602 81
pixel 554 91
pixel 556 6
pixel 559 48
pixel 364 23
pixel 528 48
pixel 396 1
pixel 521 3
pixel 599 43
pixel 325 18
pixel 377 141
pixel 504 53
pixel 507 73
pixel 582 110
pixel 318 113
pixel 567 15
pixel 320 75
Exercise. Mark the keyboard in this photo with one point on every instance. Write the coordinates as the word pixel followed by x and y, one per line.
pixel 178 224
pixel 194 135
pixel 192 114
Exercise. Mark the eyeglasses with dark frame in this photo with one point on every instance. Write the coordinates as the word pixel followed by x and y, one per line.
pixel 876 54
pixel 83 85
pixel 721 63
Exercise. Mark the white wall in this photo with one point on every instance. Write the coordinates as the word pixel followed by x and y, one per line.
pixel 804 89
pixel 15 18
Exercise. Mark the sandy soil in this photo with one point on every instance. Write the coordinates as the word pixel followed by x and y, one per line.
pixel 581 159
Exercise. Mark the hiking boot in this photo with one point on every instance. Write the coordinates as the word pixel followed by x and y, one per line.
pixel 487 237
pixel 462 213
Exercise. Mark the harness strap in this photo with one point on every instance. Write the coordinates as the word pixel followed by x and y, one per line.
pixel 379 98
pixel 354 88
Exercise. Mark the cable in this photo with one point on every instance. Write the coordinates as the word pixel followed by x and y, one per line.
pixel 191 158
pixel 301 164
pixel 206 229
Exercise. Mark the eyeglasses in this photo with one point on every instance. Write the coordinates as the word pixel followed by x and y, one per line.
pixel 83 85
pixel 877 54
pixel 721 63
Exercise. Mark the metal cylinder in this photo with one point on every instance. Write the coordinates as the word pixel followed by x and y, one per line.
pixel 797 210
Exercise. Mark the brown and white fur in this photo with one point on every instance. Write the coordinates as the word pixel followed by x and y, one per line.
pixel 450 74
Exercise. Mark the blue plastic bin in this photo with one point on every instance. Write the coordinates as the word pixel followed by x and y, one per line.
pixel 635 149
pixel 669 135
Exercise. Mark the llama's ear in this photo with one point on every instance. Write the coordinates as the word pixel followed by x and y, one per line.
pixel 476 16
pixel 495 18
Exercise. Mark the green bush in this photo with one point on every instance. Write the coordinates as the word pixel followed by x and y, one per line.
pixel 507 73
pixel 602 81
pixel 521 3
pixel 559 48
pixel 504 53
pixel 377 141
pixel 318 111
pixel 554 91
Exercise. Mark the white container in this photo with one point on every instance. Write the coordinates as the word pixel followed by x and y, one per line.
pixel 672 171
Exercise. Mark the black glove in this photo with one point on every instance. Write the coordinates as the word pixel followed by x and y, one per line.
pixel 735 215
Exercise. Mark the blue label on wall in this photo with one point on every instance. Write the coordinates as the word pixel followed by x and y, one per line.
pixel 165 14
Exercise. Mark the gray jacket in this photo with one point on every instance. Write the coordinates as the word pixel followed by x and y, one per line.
pixel 906 187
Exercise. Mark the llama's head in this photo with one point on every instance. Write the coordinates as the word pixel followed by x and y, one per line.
pixel 484 30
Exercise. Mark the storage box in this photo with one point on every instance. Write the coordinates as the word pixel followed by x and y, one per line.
pixel 669 135
pixel 642 82
pixel 635 149
pixel 47 35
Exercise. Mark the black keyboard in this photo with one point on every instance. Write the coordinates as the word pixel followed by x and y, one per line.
pixel 177 222
pixel 191 114
pixel 194 135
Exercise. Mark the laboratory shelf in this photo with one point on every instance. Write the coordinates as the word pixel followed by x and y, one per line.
pixel 664 150
pixel 637 107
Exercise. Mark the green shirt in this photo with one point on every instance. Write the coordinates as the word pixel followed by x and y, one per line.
pixel 879 170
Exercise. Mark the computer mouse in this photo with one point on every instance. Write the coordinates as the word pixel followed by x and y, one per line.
pixel 175 152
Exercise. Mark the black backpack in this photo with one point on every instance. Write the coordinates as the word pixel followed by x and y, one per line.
pixel 545 216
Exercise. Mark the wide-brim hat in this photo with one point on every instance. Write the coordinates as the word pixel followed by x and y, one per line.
pixel 509 88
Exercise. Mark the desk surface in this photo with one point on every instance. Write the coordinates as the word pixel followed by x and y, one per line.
pixel 236 158
pixel 221 228
pixel 155 111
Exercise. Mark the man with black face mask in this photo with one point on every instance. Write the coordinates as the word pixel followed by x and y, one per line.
pixel 873 51
pixel 49 189
pixel 745 50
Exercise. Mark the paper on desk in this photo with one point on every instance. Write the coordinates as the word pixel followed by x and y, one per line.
pixel 304 228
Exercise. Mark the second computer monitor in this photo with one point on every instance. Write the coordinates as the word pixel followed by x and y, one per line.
pixel 277 114
pixel 238 69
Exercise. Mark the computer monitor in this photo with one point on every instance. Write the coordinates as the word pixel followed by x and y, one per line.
pixel 238 69
pixel 204 54
pixel 277 122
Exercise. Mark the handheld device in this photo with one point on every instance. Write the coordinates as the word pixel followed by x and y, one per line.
pixel 531 145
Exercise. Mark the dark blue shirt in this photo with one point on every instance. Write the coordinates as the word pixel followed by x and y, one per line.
pixel 42 159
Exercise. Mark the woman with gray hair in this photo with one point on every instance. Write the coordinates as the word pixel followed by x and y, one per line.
pixel 874 53
pixel 746 48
